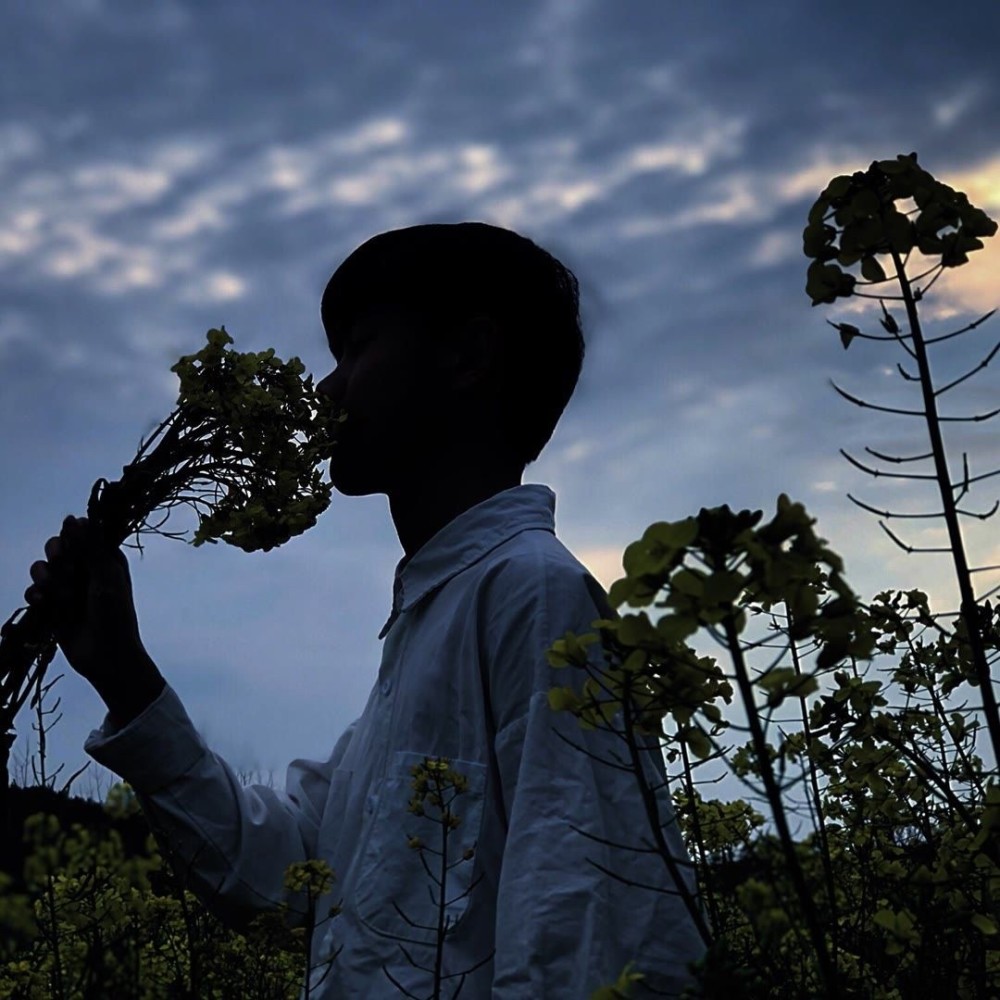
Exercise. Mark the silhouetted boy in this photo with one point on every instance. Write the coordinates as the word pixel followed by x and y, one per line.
pixel 457 349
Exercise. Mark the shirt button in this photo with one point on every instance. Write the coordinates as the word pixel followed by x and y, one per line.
pixel 368 804
pixel 386 685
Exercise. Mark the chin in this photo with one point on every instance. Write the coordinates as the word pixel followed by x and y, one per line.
pixel 357 485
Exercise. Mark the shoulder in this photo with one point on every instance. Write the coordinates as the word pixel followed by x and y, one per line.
pixel 532 592
pixel 534 584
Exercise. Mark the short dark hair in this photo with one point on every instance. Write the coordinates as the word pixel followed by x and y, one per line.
pixel 448 273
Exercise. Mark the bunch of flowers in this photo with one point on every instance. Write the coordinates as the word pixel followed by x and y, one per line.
pixel 242 447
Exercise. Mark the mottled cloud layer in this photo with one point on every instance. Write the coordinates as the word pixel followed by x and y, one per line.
pixel 166 169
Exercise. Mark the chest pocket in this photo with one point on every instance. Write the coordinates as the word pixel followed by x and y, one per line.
pixel 392 873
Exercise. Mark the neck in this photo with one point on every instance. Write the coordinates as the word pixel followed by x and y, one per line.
pixel 420 509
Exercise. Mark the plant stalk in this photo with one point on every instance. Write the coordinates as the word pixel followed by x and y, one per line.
pixel 969 607
pixel 827 970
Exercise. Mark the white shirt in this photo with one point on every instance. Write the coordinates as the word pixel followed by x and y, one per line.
pixel 486 596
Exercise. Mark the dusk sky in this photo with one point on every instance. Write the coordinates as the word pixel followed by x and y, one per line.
pixel 170 167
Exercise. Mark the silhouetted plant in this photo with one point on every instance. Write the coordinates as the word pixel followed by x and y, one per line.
pixel 893 891
pixel 715 570
pixel 855 221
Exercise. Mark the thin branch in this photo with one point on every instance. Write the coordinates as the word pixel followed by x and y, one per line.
pixel 889 322
pixel 910 549
pixel 866 336
pixel 982 364
pixel 906 374
pixel 965 329
pixel 873 406
pixel 889 513
pixel 983 569
pixel 972 420
pixel 964 486
pixel 985 475
pixel 919 293
pixel 878 472
pixel 638 885
pixel 624 847
pixel 592 756
pixel 868 295
pixel 923 274
pixel 895 459
pixel 982 517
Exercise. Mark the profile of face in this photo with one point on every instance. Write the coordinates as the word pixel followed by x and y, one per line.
pixel 398 400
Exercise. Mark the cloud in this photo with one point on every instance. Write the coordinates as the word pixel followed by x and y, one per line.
pixel 775 246
pixel 17 142
pixel 555 34
pixel 808 181
pixel 107 188
pixel 949 111
pixel 218 286
pixel 705 140
pixel 82 224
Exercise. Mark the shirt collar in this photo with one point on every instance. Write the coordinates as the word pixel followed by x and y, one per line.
pixel 465 539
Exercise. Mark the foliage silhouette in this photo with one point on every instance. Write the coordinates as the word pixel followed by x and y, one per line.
pixel 893 890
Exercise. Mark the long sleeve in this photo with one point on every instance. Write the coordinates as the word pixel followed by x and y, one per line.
pixel 564 927
pixel 233 842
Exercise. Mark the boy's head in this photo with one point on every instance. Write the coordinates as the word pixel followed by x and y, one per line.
pixel 470 290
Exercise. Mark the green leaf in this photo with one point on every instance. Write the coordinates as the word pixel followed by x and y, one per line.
pixel 871 270
pixel 819 209
pixel 784 682
pixel 865 203
pixel 563 699
pixel 984 923
pixel 817 239
pixel 837 188
pixel 672 534
pixel 976 222
pixel 635 661
pixel 776 678
pixel 847 332
pixel 676 627
pixel 900 232
pixel 888 321
pixel 620 591
pixel 689 582
pixel 620 989
pixel 634 630
pixel 699 743
pixel 825 282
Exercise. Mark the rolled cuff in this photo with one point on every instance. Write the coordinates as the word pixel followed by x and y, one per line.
pixel 156 748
